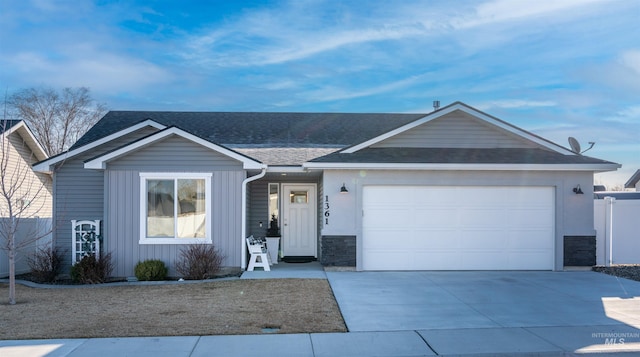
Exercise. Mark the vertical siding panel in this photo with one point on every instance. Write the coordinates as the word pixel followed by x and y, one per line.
pixel 122 221
pixel 456 130
pixel 80 194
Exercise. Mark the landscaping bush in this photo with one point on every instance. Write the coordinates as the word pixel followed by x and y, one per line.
pixel 152 269
pixel 45 264
pixel 199 261
pixel 92 270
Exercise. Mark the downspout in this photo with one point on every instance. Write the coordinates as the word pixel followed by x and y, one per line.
pixel 244 212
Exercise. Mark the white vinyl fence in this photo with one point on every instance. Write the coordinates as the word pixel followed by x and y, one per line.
pixel 30 226
pixel 617 224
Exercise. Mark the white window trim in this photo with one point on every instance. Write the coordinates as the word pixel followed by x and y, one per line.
pixel 144 176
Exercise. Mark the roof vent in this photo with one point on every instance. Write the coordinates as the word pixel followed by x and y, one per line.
pixel 436 105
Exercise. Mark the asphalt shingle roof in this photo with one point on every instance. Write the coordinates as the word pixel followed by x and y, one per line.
pixel 295 138
pixel 457 156
pixel 260 129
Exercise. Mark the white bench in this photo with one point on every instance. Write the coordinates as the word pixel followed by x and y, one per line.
pixel 259 255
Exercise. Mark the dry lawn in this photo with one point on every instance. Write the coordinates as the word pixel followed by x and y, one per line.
pixel 209 308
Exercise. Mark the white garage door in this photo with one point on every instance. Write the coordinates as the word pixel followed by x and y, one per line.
pixel 458 228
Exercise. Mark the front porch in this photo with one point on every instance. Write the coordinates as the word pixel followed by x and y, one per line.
pixel 283 270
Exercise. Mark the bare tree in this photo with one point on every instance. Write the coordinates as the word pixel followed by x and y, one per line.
pixel 57 119
pixel 23 195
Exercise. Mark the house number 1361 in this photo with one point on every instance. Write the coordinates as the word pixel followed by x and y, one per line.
pixel 326 210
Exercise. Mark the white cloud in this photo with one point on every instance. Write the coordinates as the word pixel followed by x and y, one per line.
pixel 631 60
pixel 107 72
pixel 292 32
pixel 508 10
pixel 276 44
pixel 515 104
pixel 331 93
pixel 630 115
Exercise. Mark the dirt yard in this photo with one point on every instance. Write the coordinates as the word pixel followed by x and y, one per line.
pixel 227 307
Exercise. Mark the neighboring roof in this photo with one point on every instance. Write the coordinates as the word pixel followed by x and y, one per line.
pixel 617 195
pixel 6 124
pixel 510 156
pixel 633 180
pixel 259 129
pixel 10 126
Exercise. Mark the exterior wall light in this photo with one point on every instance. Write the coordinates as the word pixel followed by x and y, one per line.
pixel 343 189
pixel 577 190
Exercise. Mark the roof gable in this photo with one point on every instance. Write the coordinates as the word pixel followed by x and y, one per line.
pixel 101 161
pixel 45 166
pixel 455 130
pixel 19 127
pixel 459 115
pixel 633 180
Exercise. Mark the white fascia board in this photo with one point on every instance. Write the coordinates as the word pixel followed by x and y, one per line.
pixel 464 167
pixel 464 108
pixel 45 166
pixel 286 169
pixel 100 162
pixel 23 130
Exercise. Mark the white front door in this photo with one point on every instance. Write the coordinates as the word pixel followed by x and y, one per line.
pixel 299 220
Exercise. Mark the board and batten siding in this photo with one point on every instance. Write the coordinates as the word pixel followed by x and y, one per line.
pixel 122 226
pixel 78 192
pixel 174 154
pixel 455 130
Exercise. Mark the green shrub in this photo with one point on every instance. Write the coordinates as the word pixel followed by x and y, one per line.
pixel 199 261
pixel 92 270
pixel 45 264
pixel 151 269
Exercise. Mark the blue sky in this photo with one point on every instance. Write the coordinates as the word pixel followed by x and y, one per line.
pixel 558 68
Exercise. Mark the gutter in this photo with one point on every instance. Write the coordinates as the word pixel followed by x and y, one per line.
pixel 244 212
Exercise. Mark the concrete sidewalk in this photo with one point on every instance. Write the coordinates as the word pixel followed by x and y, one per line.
pixel 540 341
pixel 419 314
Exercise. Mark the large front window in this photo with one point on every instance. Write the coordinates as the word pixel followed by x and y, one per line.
pixel 175 208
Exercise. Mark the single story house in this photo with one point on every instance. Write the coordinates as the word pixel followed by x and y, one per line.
pixel 454 189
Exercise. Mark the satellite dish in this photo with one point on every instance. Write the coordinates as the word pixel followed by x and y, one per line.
pixel 575 145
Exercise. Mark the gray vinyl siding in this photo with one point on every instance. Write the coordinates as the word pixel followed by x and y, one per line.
pixel 456 130
pixel 122 228
pixel 79 192
pixel 178 153
pixel 258 208
pixel 78 196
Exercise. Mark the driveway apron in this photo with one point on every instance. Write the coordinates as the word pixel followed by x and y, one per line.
pixel 397 301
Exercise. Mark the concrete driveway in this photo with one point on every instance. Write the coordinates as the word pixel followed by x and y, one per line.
pixel 546 311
